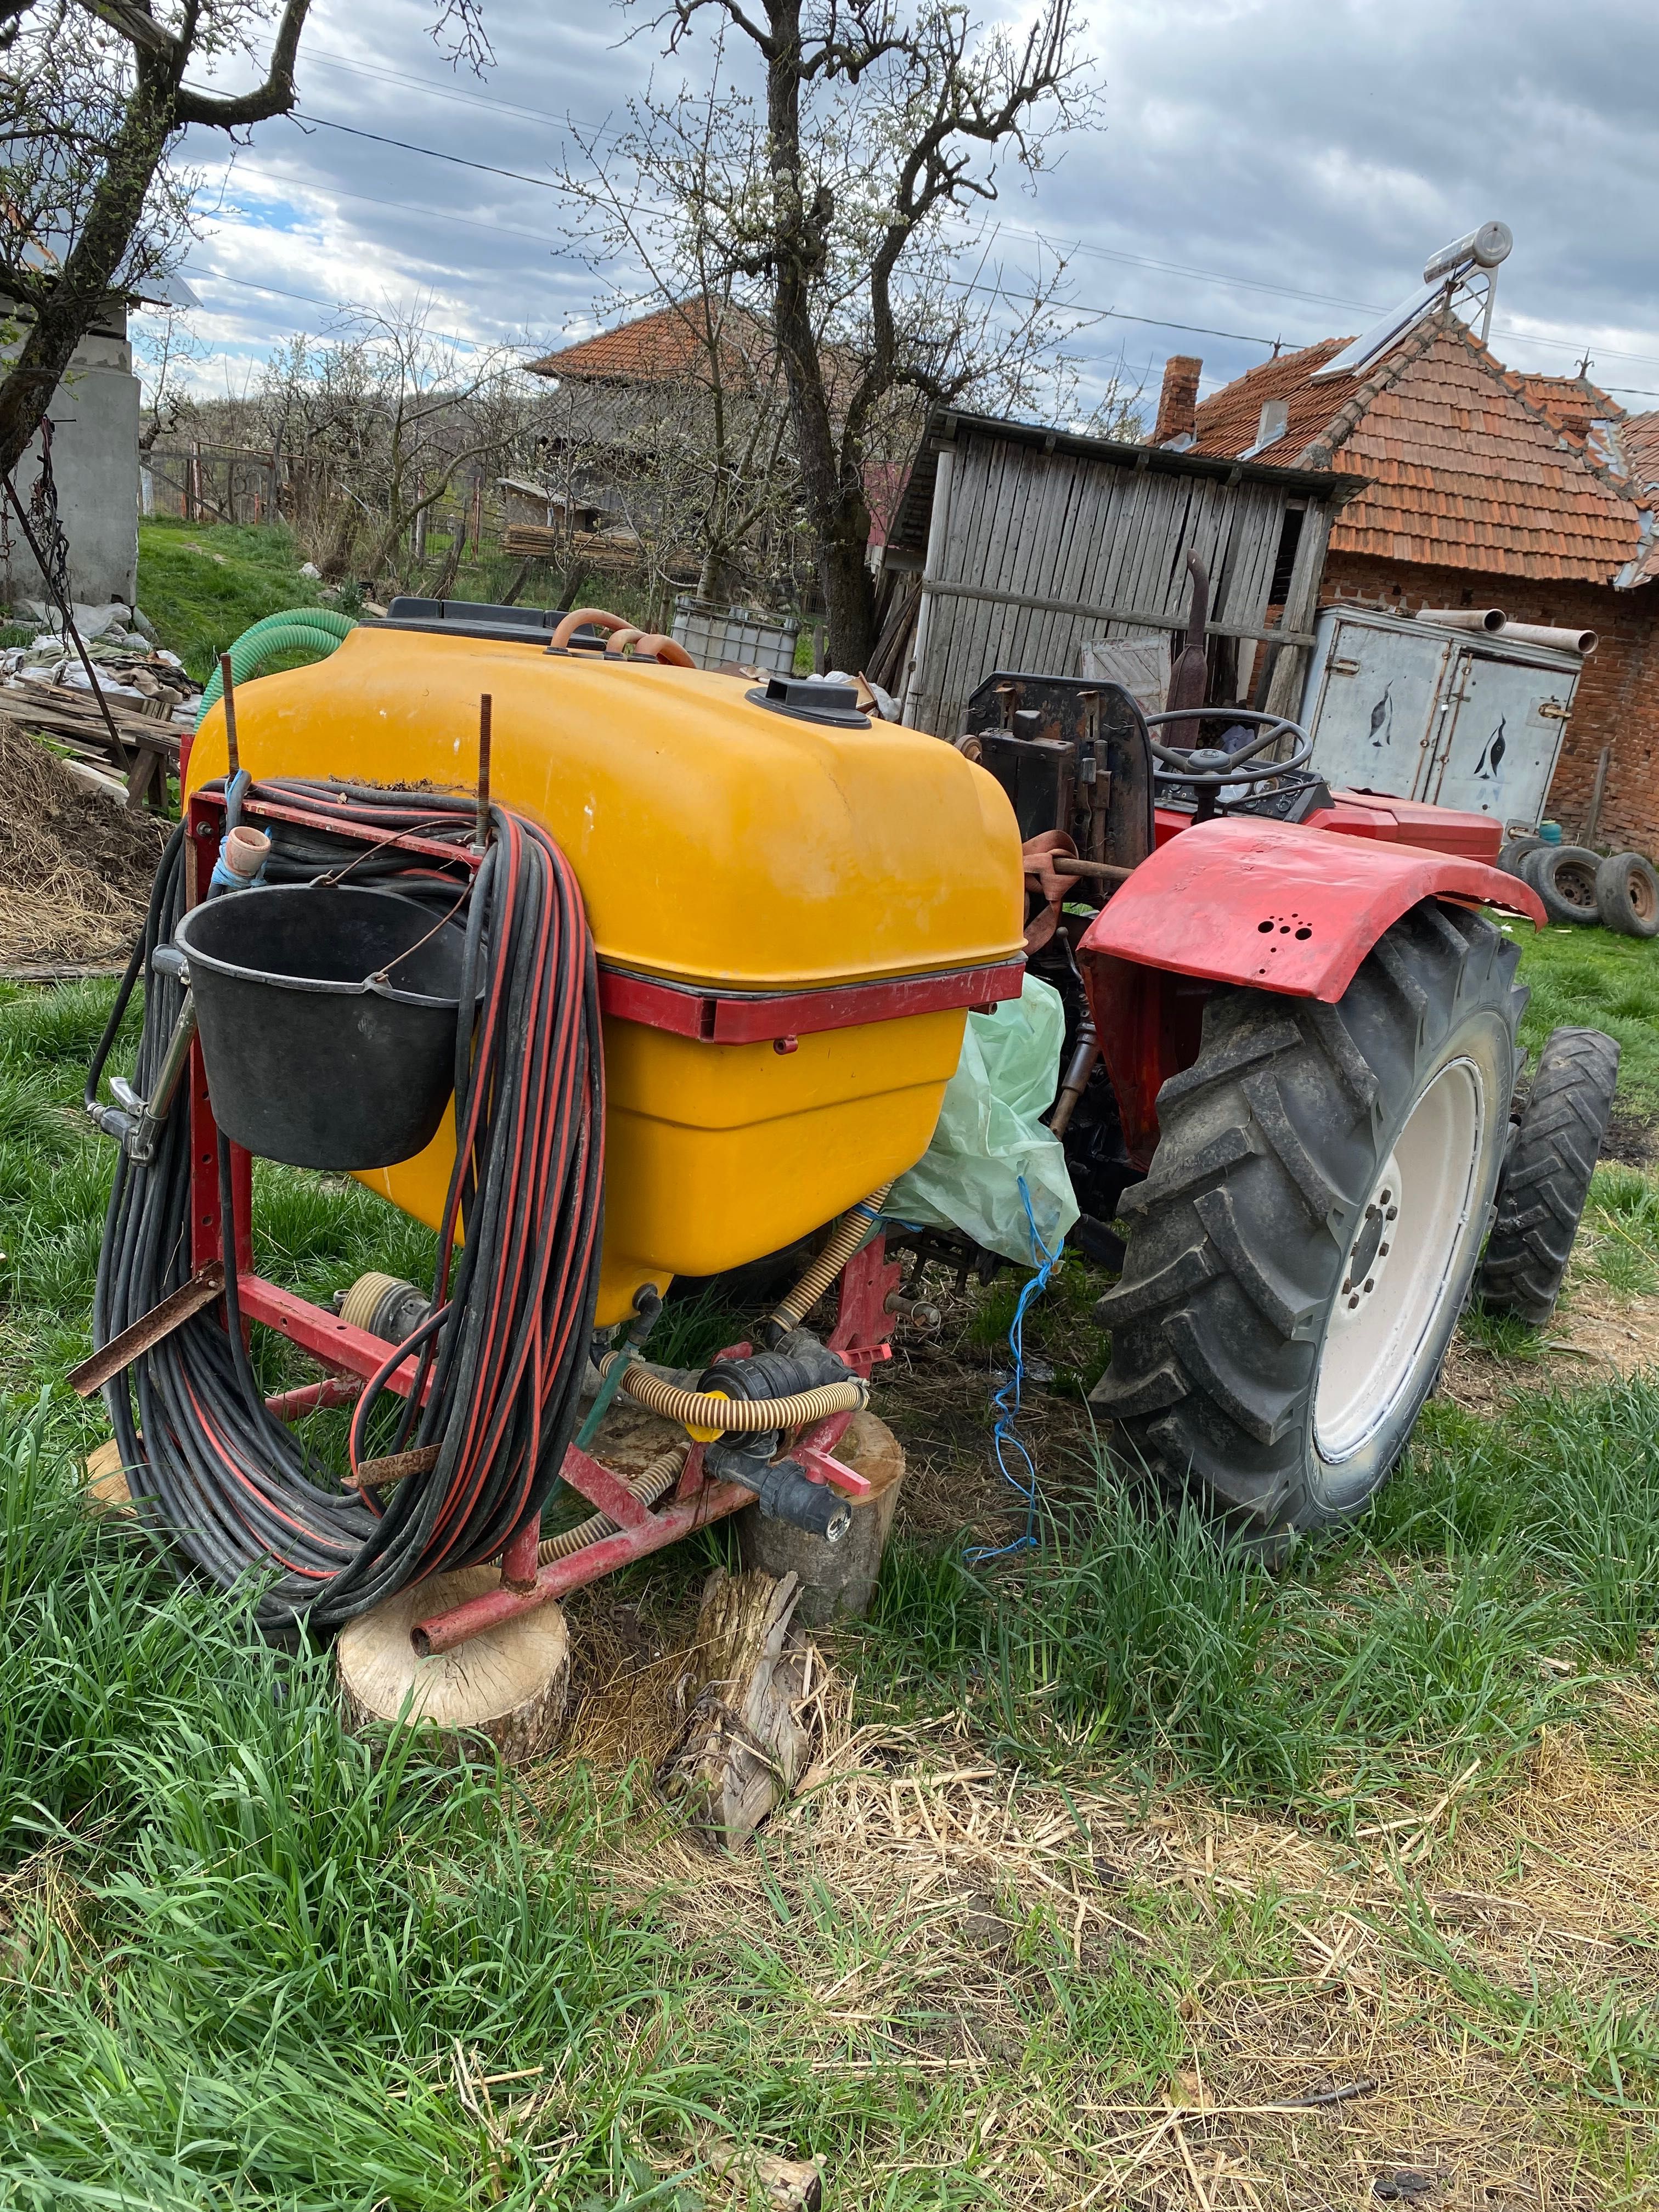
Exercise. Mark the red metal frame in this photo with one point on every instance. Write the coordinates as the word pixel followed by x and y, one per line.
pixel 755 1018
pixel 350 1356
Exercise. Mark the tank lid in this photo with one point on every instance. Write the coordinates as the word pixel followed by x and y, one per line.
pixel 810 699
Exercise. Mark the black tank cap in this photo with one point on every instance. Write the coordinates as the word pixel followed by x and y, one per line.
pixel 808 699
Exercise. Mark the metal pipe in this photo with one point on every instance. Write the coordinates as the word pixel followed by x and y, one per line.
pixel 313 1397
pixel 1489 619
pixel 1084 1056
pixel 519 1559
pixel 228 692
pixel 1561 640
pixel 486 707
pixel 444 1631
pixel 1105 871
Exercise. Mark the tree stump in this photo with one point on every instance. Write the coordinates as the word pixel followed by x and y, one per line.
pixel 511 1684
pixel 836 1580
pixel 743 1744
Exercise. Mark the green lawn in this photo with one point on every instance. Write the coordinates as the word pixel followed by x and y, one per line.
pixel 203 584
pixel 1114 1830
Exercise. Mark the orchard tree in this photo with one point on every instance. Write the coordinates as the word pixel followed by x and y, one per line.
pixel 882 127
pixel 92 102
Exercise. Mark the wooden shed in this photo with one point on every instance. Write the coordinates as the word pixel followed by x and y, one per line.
pixel 1016 546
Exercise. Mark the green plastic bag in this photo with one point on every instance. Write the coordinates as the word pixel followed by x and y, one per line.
pixel 989 1137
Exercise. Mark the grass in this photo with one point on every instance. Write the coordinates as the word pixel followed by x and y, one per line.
pixel 203 583
pixel 1127 1827
pixel 1590 979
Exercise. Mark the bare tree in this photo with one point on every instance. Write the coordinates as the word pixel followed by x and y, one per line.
pixel 164 347
pixel 878 137
pixel 93 97
pixel 372 429
pixel 708 433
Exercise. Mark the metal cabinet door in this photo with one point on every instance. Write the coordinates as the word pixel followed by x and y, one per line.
pixel 1497 752
pixel 1373 718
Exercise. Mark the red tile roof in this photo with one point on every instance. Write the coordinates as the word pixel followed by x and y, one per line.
pixel 655 349
pixel 1466 470
pixel 1639 436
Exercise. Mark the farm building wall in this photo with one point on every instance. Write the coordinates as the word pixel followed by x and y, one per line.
pixel 94 414
pixel 1617 701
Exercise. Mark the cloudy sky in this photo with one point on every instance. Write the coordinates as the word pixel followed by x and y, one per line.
pixel 1265 169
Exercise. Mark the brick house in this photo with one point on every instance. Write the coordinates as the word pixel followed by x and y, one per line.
pixel 1534 494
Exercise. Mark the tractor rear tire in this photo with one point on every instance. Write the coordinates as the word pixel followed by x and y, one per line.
pixel 1547 1176
pixel 1628 895
pixel 1564 877
pixel 1275 1333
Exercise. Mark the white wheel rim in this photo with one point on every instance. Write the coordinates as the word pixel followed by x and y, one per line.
pixel 1412 1229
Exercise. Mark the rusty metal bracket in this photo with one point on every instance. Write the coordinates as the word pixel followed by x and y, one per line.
pixel 145 1333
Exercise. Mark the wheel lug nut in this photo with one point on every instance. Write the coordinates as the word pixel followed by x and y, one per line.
pixel 1371 1282
pixel 1352 1302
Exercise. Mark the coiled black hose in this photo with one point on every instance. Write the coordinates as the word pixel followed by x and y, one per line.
pixel 215 1475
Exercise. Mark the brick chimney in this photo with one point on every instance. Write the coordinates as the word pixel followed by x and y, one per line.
pixel 1178 398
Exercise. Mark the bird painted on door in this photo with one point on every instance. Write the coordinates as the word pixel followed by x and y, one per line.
pixel 1492 753
pixel 1382 718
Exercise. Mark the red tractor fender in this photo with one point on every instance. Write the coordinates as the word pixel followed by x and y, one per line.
pixel 1271 905
pixel 1281 907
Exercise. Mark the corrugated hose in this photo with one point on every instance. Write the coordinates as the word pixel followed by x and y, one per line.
pixel 647 1486
pixel 298 629
pixel 710 1409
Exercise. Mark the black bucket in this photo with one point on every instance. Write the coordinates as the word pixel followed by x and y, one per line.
pixel 327 1020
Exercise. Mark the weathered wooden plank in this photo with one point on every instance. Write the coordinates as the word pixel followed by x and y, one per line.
pixel 1153 619
pixel 1285 691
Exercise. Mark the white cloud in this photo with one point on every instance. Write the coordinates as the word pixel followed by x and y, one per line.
pixel 1270 148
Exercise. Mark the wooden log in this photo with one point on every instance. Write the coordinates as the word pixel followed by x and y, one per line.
pixel 511 1684
pixel 743 1744
pixel 837 1581
pixel 106 1488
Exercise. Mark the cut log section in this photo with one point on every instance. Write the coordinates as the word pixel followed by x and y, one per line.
pixel 838 1580
pixel 745 1744
pixel 511 1684
pixel 107 1487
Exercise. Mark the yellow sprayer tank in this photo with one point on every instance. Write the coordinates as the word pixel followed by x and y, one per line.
pixel 792 916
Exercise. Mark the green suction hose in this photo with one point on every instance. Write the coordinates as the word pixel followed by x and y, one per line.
pixel 317 630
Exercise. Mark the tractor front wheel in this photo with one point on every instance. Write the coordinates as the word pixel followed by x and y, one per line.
pixel 1305 1240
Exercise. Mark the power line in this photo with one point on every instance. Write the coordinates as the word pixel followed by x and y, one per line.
pixel 432 153
pixel 519 176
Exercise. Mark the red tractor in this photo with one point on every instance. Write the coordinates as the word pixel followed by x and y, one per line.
pixel 1292 1071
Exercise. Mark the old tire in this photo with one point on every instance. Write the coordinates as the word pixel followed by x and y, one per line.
pixel 1547 1176
pixel 1564 877
pixel 1513 850
pixel 1628 895
pixel 1267 1352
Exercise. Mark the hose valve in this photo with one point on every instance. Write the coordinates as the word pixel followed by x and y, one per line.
pixel 783 1491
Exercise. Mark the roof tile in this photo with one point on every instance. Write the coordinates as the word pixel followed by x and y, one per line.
pixel 1470 466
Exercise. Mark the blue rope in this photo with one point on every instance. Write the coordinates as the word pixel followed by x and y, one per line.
pixel 1004 1436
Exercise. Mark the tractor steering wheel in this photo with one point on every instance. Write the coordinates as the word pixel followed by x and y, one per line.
pixel 1209 770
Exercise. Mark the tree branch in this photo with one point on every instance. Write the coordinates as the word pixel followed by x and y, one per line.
pixel 275 96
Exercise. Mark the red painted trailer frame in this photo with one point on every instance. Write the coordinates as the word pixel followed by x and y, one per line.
pixel 351 1356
